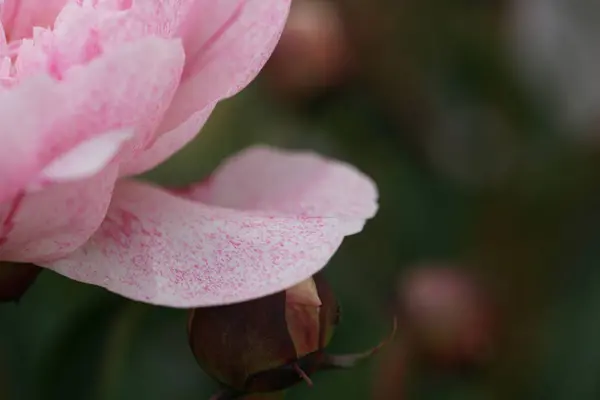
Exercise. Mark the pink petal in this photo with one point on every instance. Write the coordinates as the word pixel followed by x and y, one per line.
pixel 5 67
pixel 163 249
pixel 295 183
pixel 128 87
pixel 20 16
pixel 166 144
pixel 53 222
pixel 3 43
pixel 229 49
pixel 88 158
pixel 223 54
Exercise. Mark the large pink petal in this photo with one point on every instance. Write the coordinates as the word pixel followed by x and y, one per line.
pixel 169 250
pixel 41 119
pixel 51 223
pixel 161 249
pixel 223 54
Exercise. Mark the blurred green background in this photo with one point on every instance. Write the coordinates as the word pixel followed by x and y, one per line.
pixel 478 121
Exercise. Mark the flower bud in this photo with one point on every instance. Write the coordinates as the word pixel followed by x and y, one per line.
pixel 262 345
pixel 448 317
pixel 313 54
pixel 15 279
pixel 271 343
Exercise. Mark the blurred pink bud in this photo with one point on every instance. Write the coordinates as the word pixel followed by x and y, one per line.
pixel 449 318
pixel 313 53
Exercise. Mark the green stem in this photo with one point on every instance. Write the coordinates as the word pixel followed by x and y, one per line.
pixel 124 328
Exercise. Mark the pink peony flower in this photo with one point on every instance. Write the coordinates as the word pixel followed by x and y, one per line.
pixel 93 91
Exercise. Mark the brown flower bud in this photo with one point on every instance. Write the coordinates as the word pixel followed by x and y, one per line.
pixel 268 344
pixel 15 279
pixel 262 345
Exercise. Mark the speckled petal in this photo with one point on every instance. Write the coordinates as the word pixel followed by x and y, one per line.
pixel 175 251
pixel 161 249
